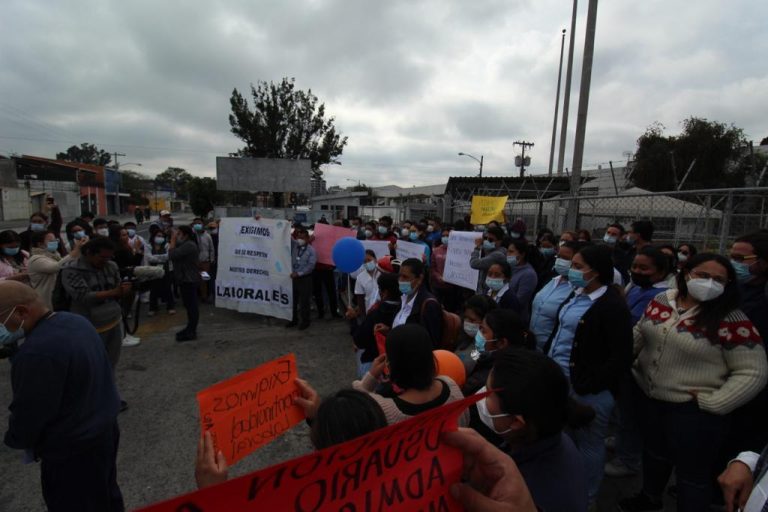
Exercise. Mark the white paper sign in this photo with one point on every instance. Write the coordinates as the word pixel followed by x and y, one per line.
pixel 457 269
pixel 254 274
pixel 407 250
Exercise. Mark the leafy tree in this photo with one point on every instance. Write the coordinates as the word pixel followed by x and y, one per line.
pixel 764 142
pixel 135 183
pixel 285 123
pixel 175 177
pixel 85 154
pixel 203 195
pixel 661 161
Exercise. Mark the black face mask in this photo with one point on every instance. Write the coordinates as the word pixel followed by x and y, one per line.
pixel 641 280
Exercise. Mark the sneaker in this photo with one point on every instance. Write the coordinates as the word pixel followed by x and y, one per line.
pixel 151 313
pixel 131 341
pixel 617 469
pixel 640 502
pixel 610 443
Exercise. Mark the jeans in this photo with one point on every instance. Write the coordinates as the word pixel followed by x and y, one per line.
pixel 190 301
pixel 682 437
pixel 590 440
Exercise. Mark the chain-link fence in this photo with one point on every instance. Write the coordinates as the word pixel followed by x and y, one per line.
pixel 711 219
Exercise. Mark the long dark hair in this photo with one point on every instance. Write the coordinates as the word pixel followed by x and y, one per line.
pixel 7 237
pixel 529 252
pixel 712 312
pixel 189 233
pixel 344 416
pixel 411 361
pixel 599 259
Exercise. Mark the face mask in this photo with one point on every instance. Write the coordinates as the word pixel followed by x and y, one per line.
pixel 610 240
pixel 214 231
pixel 682 258
pixel 301 242
pixel 405 287
pixel 368 233
pixel 547 251
pixel 480 342
pixel 197 227
pixel 354 226
pixel 405 232
pixel 742 271
pixel 382 230
pixel 77 235
pixel 370 266
pixel 131 232
pixel 430 228
pixel 704 289
pixel 630 241
pixel 102 231
pixel 561 243
pixel 10 251
pixel 413 236
pixel 36 226
pixel 576 277
pixel 444 240
pixel 494 284
pixel 487 418
pixel 641 280
pixel 471 329
pixel 513 234
pixel 7 336
pixel 512 260
pixel 562 266
pixel 52 246
pixel 159 240
pixel 488 245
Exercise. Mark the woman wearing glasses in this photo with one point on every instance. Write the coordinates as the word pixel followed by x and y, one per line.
pixel 698 357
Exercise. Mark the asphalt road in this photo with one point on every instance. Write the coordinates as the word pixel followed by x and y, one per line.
pixel 159 379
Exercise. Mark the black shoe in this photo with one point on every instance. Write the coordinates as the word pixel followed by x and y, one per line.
pixel 186 336
pixel 123 405
pixel 639 503
pixel 291 324
pixel 304 326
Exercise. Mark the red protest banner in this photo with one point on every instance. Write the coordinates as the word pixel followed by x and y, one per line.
pixel 252 409
pixel 403 467
pixel 325 238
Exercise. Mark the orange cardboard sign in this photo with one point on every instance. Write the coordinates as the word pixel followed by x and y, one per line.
pixel 251 409
pixel 404 467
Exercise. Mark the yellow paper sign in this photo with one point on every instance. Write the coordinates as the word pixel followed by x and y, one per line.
pixel 487 208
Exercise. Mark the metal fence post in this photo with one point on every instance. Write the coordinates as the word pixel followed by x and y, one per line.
pixel 725 224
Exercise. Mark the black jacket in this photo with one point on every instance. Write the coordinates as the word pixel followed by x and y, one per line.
pixel 602 346
pixel 432 320
pixel 383 313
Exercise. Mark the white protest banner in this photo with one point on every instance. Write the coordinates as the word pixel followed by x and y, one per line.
pixel 457 269
pixel 379 247
pixel 254 274
pixel 406 250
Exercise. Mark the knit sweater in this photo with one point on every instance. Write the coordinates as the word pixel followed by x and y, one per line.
pixel 674 357
pixel 43 269
pixel 392 411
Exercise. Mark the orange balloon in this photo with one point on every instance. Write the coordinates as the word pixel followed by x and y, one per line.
pixel 450 365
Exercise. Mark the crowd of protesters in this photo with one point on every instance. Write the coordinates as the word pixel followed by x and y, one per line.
pixel 590 343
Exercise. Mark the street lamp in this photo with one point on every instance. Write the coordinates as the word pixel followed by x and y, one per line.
pixel 476 160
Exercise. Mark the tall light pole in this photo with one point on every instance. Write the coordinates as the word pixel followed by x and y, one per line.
pixel 581 118
pixel 557 105
pixel 567 94
pixel 476 160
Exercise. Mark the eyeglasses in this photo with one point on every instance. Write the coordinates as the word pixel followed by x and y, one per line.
pixel 741 259
pixel 706 275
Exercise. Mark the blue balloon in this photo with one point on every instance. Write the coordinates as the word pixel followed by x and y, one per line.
pixel 348 254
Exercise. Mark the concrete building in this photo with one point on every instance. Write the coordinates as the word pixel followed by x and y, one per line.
pixel 397 202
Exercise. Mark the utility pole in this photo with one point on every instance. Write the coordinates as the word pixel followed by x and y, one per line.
pixel 117 181
pixel 567 94
pixel 557 105
pixel 522 162
pixel 581 118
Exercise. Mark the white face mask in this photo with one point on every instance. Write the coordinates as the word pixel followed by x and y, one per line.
pixel 487 418
pixel 471 328
pixel 704 289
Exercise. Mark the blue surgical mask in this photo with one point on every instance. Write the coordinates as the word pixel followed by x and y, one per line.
pixel 102 232
pixel 368 233
pixel 547 251
pixel 213 231
pixel 444 240
pixel 480 342
pixel 6 336
pixel 370 266
pixel 512 260
pixel 488 245
pixel 405 287
pixel 494 284
pixel 197 227
pixel 77 235
pixel 576 277
pixel 36 226
pixel 413 236
pixel 742 271
pixel 382 230
pixel 610 240
pixel 159 240
pixel 131 232
pixel 471 329
pixel 514 234
pixel 10 251
pixel 52 246
pixel 562 266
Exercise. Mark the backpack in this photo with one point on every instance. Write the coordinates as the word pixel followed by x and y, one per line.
pixel 60 299
pixel 451 326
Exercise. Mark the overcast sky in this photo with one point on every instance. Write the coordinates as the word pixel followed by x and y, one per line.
pixel 411 83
